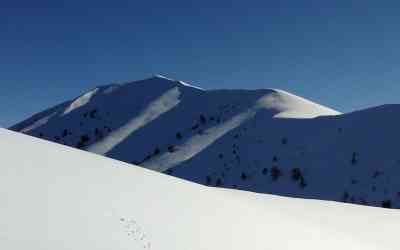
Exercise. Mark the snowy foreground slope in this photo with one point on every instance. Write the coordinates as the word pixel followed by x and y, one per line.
pixel 56 197
pixel 267 141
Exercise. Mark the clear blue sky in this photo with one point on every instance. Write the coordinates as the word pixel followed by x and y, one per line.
pixel 344 54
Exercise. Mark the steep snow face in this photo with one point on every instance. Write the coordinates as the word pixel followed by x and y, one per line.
pixel 56 197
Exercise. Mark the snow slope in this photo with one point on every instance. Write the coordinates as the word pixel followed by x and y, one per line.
pixel 56 197
pixel 267 141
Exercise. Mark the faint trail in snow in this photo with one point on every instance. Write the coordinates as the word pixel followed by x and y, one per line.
pixel 154 109
pixel 134 230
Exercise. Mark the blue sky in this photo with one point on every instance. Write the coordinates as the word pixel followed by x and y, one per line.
pixel 343 54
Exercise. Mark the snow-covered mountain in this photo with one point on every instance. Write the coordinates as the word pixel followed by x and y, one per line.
pixel 57 197
pixel 267 141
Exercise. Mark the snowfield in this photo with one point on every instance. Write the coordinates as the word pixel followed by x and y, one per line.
pixel 57 197
pixel 266 141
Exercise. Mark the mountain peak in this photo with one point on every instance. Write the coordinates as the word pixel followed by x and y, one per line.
pixel 158 76
pixel 162 78
pixel 256 140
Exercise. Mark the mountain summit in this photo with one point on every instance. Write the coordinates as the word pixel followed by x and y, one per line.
pixel 111 119
pixel 266 140
pixel 124 98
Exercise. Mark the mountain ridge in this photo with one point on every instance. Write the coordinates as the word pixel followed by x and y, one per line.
pixel 267 141
pixel 109 88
